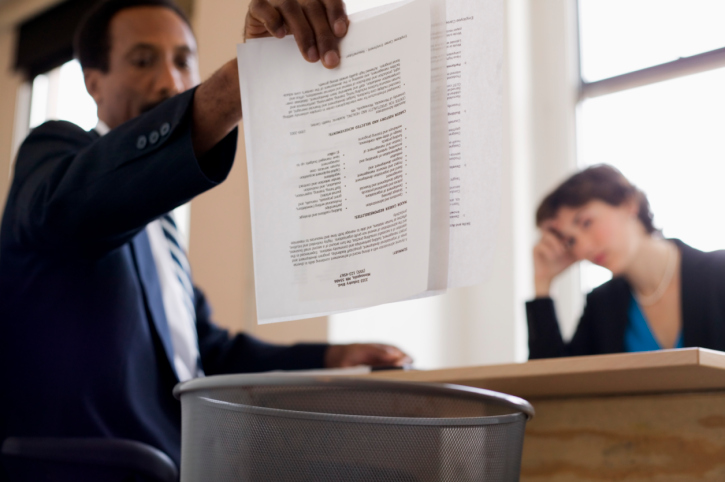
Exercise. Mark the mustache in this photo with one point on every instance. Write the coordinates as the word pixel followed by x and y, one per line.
pixel 147 107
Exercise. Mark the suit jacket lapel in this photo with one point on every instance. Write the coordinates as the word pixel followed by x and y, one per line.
pixel 146 268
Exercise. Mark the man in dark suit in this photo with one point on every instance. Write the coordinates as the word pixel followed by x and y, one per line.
pixel 99 319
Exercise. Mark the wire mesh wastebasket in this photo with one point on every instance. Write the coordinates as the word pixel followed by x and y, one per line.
pixel 319 429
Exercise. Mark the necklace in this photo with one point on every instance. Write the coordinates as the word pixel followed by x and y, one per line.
pixel 654 297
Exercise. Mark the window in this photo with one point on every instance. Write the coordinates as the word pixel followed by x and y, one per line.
pixel 61 95
pixel 620 36
pixel 661 118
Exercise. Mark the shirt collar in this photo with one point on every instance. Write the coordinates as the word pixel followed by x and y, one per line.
pixel 102 128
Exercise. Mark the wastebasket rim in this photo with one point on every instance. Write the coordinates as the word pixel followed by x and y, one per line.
pixel 479 421
pixel 246 380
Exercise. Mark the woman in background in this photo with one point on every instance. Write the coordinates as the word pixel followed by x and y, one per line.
pixel 664 293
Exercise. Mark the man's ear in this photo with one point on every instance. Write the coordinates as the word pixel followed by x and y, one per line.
pixel 92 78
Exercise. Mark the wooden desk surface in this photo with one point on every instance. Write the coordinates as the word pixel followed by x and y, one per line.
pixel 665 371
pixel 633 417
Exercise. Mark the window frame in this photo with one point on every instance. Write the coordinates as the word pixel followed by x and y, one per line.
pixel 694 64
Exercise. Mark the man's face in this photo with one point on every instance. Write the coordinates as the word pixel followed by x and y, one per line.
pixel 152 57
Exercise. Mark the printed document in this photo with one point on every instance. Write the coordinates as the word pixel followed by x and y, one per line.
pixel 339 164
pixel 353 199
pixel 475 118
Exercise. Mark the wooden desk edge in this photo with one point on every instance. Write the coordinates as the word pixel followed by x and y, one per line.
pixel 711 358
pixel 687 360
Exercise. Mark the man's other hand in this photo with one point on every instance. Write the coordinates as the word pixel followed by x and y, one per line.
pixel 317 25
pixel 372 354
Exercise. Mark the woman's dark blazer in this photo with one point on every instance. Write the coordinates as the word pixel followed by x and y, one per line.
pixel 604 321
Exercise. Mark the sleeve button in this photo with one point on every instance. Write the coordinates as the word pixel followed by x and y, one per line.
pixel 165 128
pixel 153 137
pixel 141 142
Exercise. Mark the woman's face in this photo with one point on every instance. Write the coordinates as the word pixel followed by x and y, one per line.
pixel 605 235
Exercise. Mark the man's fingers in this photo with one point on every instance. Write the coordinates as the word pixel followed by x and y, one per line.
pixel 336 16
pixel 264 20
pixel 372 354
pixel 317 25
pixel 298 25
pixel 401 359
pixel 390 355
pixel 326 40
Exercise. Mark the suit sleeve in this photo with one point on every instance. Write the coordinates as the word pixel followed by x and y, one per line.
pixel 222 353
pixel 87 195
pixel 545 340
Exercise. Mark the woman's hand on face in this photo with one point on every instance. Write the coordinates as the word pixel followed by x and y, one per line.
pixel 551 257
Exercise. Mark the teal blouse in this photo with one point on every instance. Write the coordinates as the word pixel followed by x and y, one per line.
pixel 638 336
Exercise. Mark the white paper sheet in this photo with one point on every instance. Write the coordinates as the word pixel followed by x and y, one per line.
pixel 475 119
pixel 340 187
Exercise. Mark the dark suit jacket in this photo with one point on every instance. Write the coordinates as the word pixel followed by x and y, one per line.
pixel 602 326
pixel 84 343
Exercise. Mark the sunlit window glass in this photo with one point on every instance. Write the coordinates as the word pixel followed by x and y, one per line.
pixel 61 95
pixel 619 36
pixel 75 104
pixel 39 101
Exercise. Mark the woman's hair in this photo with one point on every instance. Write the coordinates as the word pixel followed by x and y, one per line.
pixel 601 182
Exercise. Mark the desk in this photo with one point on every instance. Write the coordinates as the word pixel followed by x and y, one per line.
pixel 656 416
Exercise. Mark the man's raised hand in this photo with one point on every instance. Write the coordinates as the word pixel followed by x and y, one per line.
pixel 317 25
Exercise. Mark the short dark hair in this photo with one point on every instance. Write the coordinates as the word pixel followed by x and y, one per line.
pixel 92 41
pixel 601 182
